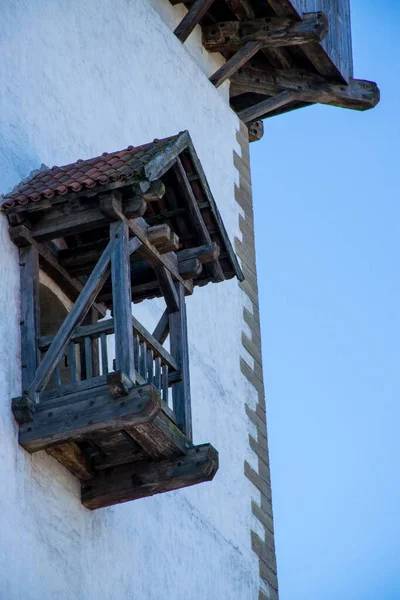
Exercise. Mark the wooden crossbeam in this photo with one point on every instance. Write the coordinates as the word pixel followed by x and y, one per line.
pixel 272 32
pixel 74 318
pixel 192 18
pixel 308 87
pixel 143 479
pixel 266 106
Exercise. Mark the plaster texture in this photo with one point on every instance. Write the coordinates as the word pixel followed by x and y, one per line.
pixel 79 79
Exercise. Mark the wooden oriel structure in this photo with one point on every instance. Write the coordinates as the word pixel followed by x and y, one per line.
pixel 122 227
pixel 280 54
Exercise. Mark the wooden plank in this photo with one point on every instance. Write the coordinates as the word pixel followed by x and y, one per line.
pixel 88 411
pixel 272 32
pixel 189 269
pixel 94 330
pixel 180 351
pixel 266 106
pixel 121 290
pixel 70 285
pixel 73 319
pixel 192 18
pixel 30 315
pixel 160 438
pixel 133 481
pixel 73 459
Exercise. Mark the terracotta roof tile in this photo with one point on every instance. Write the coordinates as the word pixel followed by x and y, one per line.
pixel 82 174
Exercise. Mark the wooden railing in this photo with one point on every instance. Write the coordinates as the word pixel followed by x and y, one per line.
pixel 91 353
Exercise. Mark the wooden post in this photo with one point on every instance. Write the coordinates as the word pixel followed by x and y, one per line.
pixel 180 351
pixel 30 313
pixel 121 290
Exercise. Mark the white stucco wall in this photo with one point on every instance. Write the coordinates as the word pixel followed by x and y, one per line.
pixel 79 78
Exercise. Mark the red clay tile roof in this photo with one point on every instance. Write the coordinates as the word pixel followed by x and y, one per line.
pixel 98 171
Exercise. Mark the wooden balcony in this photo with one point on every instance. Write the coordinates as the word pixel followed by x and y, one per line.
pixel 104 396
pixel 280 54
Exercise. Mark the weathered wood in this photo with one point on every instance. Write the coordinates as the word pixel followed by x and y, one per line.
pixel 256 130
pixel 163 238
pixel 194 210
pixel 140 480
pixel 91 410
pixel 168 288
pixel 22 236
pixel 73 319
pixel 159 350
pixel 205 254
pixel 240 58
pixel 121 290
pixel 160 438
pixel 104 353
pixel 161 331
pixel 115 449
pixel 23 409
pixel 119 384
pixel 266 106
pixel 73 459
pixel 192 18
pixel 189 269
pixel 180 351
pixel 309 87
pixel 106 326
pixel 30 315
pixel 271 32
pixel 64 220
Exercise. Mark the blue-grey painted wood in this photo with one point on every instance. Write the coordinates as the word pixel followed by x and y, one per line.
pixel 180 351
pixel 121 290
pixel 30 317
pixel 337 43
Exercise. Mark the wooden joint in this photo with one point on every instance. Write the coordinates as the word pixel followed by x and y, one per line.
pixel 23 409
pixel 155 192
pixel 119 384
pixel 163 238
pixel 111 205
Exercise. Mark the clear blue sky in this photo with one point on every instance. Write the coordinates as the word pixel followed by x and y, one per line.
pixel 327 208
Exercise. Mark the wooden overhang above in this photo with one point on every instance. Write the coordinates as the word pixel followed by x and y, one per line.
pixel 281 54
pixel 160 186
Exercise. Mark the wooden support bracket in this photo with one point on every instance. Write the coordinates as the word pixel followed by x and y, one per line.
pixel 143 479
pixel 192 18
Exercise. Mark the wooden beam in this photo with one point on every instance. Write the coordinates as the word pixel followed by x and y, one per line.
pixel 168 288
pixel 30 315
pixel 240 58
pixel 121 290
pixel 309 87
pixel 178 336
pixel 266 106
pixel 68 220
pixel 74 318
pixel 91 410
pixel 140 480
pixel 272 32
pixel 159 350
pixel 161 331
pixel 192 18
pixel 72 286
pixel 72 458
pixel 194 210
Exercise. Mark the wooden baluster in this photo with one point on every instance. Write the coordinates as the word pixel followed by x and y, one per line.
pixel 157 374
pixel 165 383
pixel 180 351
pixel 72 362
pixel 88 358
pixel 136 351
pixel 142 366
pixel 57 375
pixel 150 362
pixel 104 353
